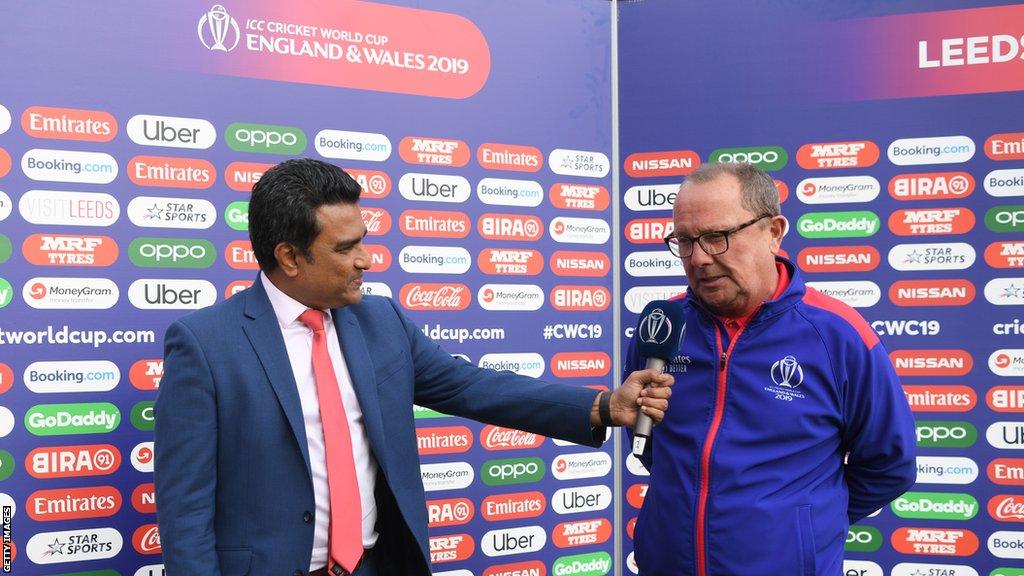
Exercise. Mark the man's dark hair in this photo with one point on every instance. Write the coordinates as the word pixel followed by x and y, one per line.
pixel 284 203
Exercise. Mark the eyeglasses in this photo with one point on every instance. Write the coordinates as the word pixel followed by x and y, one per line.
pixel 713 243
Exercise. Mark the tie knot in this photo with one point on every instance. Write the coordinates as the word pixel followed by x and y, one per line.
pixel 314 319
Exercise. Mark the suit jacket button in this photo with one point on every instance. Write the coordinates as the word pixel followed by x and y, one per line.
pixel 298 573
pixel 307 516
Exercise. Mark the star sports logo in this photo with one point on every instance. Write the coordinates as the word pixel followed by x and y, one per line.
pixel 217 30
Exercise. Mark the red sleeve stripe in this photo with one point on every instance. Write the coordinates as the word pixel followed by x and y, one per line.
pixel 814 298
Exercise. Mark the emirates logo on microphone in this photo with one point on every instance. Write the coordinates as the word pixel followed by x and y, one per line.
pixel 655 328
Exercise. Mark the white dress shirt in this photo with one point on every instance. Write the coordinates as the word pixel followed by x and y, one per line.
pixel 298 339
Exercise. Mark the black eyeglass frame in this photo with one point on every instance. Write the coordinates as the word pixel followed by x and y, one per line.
pixel 676 248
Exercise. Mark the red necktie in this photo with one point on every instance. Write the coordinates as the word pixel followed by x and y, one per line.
pixel 345 538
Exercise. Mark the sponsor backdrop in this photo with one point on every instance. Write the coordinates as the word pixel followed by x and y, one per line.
pixel 894 133
pixel 130 138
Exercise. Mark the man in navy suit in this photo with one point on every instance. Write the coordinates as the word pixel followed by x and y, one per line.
pixel 244 460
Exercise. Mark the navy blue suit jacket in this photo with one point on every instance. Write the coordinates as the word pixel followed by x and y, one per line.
pixel 232 474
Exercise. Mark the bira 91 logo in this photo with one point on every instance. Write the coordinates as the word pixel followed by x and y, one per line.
pixel 580 298
pixel 932 362
pixel 510 262
pixel 73 461
pixel 957 292
pixel 432 224
pixel 1006 507
pixel 449 512
pixel 529 568
pixel 376 220
pixel 648 230
pixel 579 197
pixel 931 221
pixel 146 539
pixel 510 227
pixel 573 263
pixel 512 157
pixel 940 398
pixel 665 163
pixel 1005 399
pixel 1009 146
pixel 512 471
pixel 433 151
pixel 69 124
pixel 73 503
pixel 931 186
pixel 839 259
pixel 935 506
pixel 146 374
pixel 855 154
pixel 451 548
pixel 372 183
pixel 240 176
pixel 69 250
pixel 581 533
pixel 580 364
pixel 500 438
pixel 170 172
pixel 513 541
pixel 443 440
pixel 74 545
pixel 419 296
pixel 513 506
pixel 935 541
pixel 1005 255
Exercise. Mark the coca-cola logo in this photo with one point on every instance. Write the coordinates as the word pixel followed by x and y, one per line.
pixel 499 438
pixel 1007 508
pixel 435 296
pixel 376 220
pixel 147 539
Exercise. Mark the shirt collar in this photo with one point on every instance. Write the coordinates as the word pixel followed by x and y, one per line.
pixel 286 308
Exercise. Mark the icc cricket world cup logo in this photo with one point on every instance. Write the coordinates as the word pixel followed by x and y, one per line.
pixel 214 28
pixel 787 372
pixel 656 327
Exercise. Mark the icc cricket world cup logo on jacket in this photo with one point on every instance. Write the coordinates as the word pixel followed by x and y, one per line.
pixel 787 372
pixel 655 328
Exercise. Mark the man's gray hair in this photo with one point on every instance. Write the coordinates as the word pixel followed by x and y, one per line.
pixel 757 189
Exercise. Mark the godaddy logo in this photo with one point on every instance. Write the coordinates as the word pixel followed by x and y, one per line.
pixel 6 292
pixel 1007 572
pixel 767 158
pixel 59 419
pixel 265 138
pixel 143 417
pixel 855 224
pixel 997 219
pixel 946 434
pixel 5 248
pixel 935 505
pixel 593 564
pixel 863 539
pixel 237 215
pixel 171 253
pixel 421 412
pixel 512 471
pixel 6 465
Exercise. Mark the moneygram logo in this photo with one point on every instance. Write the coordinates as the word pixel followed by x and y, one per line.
pixel 931 362
pixel 69 124
pixel 434 188
pixel 61 419
pixel 592 564
pixel 1005 255
pixel 502 192
pixel 68 250
pixel 931 186
pixel 218 30
pixel 434 224
pixel 146 374
pixel 171 253
pixel 946 470
pixel 1006 435
pixel 840 190
pixel 767 158
pixel 937 150
pixel 957 292
pixel 510 297
pixel 581 499
pixel 1007 362
pixel 838 259
pixel 1005 291
pixel 73 503
pixel 433 151
pixel 73 461
pixel 863 539
pixel 240 176
pixel 451 548
pixel 513 541
pixel 854 293
pixel 449 512
pixel 931 221
pixel 1008 146
pixel 434 259
pixel 156 212
pixel 648 230
pixel 510 262
pixel 167 172
pixel 498 438
pixel 857 224
pixel 579 230
pixel 373 183
pixel 1005 398
pixel 142 457
pixel 443 440
pixel 74 545
pixel 69 166
pixel 580 298
pixel 512 157
pixel 946 434
pixel 580 364
pixel 345 145
pixel 576 466
pixel 578 163
pixel 265 139
pixel 935 541
pixel 665 163
pixel 1006 218
pixel 651 197
pixel 570 263
pixel 171 132
pixel 941 398
pixel 1006 508
pixel 420 296
pixel 71 376
pixel 514 227
pixel 1005 183
pixel 856 154
pixel 638 297
pixel 237 215
pixel 579 197
pixel 70 293
pixel 523 363
pixel 512 471
pixel 514 506
pixel 945 256
pixel 69 208
pixel 648 264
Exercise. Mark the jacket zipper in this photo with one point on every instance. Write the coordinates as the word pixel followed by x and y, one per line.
pixel 709 440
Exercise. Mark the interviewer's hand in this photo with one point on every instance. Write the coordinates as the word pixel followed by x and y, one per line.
pixel 632 397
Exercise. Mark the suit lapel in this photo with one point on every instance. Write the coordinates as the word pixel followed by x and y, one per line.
pixel 264 333
pixel 360 369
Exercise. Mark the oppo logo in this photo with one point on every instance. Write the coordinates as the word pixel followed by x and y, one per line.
pixel 580 298
pixel 171 131
pixel 443 440
pixel 513 541
pixel 510 227
pixel 512 471
pixel 345 145
pixel 1007 362
pixel 665 163
pixel 839 259
pixel 446 476
pixel 1006 435
pixel 1005 183
pixel 154 212
pixel 265 139
pixel 523 363
pixel 434 188
pixel 579 197
pixel 578 163
pixel 1005 218
pixel 73 461
pixel 1005 398
pixel 433 151
pixel 931 221
pixel 957 292
pixel 587 465
pixel 914 569
pixel 418 296
pixel 581 499
pixel 946 434
pixel 68 208
pixel 510 297
pixel 840 190
pixel 504 192
pixel 940 398
pixel 1005 291
pixel 931 186
pixel 932 362
pixel 510 262
pixel 947 256
pixel 648 230
pixel 74 545
pixel 946 470
pixel 70 293
pixel 449 512
pixel 572 263
pixel 638 297
pixel 856 154
pixel 767 158
pixel 653 197
pixel 512 157
pixel 856 294
pixel 514 506
pixel 73 503
pixel 863 539
pixel 451 548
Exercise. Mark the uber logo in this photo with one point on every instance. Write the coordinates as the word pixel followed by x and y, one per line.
pixel 166 294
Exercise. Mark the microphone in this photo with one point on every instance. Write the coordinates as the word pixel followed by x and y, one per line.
pixel 659 335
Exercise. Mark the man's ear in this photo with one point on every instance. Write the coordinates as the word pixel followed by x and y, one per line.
pixel 779 228
pixel 287 257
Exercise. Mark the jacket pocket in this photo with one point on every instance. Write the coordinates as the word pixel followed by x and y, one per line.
pixel 234 561
pixel 805 529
